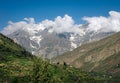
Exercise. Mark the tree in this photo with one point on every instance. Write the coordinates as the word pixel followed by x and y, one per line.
pixel 40 73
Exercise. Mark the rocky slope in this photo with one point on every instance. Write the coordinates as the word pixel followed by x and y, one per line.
pixel 101 56
pixel 47 43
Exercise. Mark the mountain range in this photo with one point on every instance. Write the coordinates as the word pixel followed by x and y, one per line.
pixel 19 66
pixel 47 43
pixel 93 46
pixel 99 56
pixel 50 38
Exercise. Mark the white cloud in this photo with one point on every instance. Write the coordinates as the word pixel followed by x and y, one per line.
pixel 12 27
pixel 66 24
pixel 27 24
pixel 59 25
pixel 104 24
pixel 30 20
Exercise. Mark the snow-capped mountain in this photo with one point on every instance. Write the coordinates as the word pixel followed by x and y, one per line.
pixel 47 43
pixel 50 38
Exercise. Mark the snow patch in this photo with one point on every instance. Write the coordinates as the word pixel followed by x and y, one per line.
pixel 50 30
pixel 72 38
pixel 73 45
pixel 15 40
pixel 37 39
pixel 32 46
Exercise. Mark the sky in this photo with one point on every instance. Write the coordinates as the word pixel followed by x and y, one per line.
pixel 17 10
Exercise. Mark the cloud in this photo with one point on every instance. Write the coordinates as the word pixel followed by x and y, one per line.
pixel 28 24
pixel 12 27
pixel 64 24
pixel 67 24
pixel 58 25
pixel 61 25
pixel 104 24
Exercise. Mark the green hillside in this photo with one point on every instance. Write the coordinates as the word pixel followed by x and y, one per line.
pixel 101 56
pixel 19 66
pixel 8 48
pixel 14 60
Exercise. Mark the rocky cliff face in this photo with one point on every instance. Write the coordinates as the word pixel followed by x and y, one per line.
pixel 47 43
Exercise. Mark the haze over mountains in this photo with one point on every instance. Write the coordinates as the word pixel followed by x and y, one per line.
pixel 51 38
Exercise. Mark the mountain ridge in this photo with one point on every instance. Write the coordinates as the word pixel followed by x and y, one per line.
pixel 19 66
pixel 102 55
pixel 7 46
pixel 50 44
pixel 39 37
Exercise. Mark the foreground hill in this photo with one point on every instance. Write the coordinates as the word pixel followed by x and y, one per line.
pixel 100 56
pixel 14 60
pixel 9 48
pixel 19 66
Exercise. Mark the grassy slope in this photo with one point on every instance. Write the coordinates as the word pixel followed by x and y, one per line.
pixel 102 56
pixel 8 48
pixel 16 65
pixel 14 60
